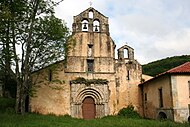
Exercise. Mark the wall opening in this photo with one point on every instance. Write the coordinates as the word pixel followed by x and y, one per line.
pixel 162 116
pixel 145 97
pixel 90 64
pixel 189 111
pixel 96 26
pixel 27 104
pixel 91 14
pixel 160 97
pixel 126 53
pixel 88 108
pixel 50 75
pixel 90 50
pixel 128 75
pixel 85 25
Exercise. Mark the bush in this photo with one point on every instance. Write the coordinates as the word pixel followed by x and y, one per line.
pixel 7 104
pixel 129 112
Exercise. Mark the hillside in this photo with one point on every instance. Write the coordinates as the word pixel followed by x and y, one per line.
pixel 163 65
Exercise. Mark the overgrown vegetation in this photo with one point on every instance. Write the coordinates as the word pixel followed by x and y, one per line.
pixel 82 80
pixel 129 112
pixel 160 66
pixel 7 105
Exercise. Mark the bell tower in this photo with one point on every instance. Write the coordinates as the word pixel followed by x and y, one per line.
pixel 90 20
pixel 92 49
pixel 90 57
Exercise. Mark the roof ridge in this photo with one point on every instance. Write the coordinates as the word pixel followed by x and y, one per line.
pixel 183 68
pixel 180 67
pixel 92 8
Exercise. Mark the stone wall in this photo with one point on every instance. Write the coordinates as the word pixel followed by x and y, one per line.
pixel 151 98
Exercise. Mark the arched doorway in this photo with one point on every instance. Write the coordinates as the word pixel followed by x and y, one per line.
pixel 88 108
pixel 98 98
pixel 162 116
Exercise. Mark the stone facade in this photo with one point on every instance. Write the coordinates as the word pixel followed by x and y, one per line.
pixel 92 76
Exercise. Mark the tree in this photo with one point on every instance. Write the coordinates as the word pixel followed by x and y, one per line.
pixel 31 37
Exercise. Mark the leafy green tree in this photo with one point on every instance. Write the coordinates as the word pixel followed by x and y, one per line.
pixel 160 66
pixel 31 37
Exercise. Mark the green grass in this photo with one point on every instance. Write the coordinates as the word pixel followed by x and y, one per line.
pixel 35 120
pixel 9 119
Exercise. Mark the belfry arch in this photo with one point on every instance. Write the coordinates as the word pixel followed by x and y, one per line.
pixel 98 92
pixel 125 52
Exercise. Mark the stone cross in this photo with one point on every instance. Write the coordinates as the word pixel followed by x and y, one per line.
pixel 90 3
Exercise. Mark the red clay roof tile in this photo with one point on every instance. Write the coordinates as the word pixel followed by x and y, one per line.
pixel 184 68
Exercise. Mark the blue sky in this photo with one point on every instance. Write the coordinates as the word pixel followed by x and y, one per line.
pixel 156 29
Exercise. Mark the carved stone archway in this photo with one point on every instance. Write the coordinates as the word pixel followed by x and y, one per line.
pixel 100 94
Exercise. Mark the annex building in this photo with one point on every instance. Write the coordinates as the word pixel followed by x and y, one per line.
pixel 168 95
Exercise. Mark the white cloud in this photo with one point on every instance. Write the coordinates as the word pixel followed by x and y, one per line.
pixel 178 41
pixel 155 29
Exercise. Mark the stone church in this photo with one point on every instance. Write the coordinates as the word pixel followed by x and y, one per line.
pixel 90 82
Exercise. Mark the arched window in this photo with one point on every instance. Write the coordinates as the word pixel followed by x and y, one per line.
pixel 126 53
pixel 85 25
pixel 91 14
pixel 96 26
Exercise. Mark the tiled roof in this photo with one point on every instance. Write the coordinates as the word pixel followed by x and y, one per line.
pixel 184 68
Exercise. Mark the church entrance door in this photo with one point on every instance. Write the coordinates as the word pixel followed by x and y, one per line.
pixel 88 108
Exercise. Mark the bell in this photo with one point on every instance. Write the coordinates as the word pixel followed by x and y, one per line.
pixel 84 27
pixel 96 28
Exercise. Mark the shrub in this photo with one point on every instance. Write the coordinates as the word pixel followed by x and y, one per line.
pixel 7 104
pixel 129 112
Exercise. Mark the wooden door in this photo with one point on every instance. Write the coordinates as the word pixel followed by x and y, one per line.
pixel 88 108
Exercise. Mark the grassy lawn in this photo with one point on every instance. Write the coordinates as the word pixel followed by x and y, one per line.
pixel 9 119
pixel 35 120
